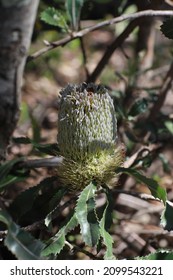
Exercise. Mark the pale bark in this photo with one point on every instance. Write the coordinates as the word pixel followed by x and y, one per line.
pixel 17 19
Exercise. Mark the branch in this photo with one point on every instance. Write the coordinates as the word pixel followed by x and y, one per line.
pixel 142 196
pixel 110 50
pixel 37 163
pixel 83 50
pixel 83 32
pixel 135 242
pixel 78 249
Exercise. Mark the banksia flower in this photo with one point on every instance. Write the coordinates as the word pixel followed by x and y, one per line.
pixel 87 135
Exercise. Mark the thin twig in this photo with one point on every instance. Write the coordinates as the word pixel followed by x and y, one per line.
pixel 83 50
pixel 143 196
pixel 83 32
pixel 78 249
pixel 55 213
pixel 35 226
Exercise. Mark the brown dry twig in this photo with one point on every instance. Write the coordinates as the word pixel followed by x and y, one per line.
pixel 78 249
pixel 83 32
pixel 135 242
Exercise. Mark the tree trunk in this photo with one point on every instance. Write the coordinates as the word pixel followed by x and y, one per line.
pixel 17 19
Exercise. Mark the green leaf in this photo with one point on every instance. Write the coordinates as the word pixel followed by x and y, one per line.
pixel 6 167
pixel 160 254
pixel 167 28
pixel 169 126
pixel 19 242
pixel 54 206
pixel 109 206
pixel 25 201
pixel 9 180
pixel 153 185
pixel 93 221
pixel 58 241
pixel 53 17
pixel 74 9
pixel 48 149
pixel 21 140
pixel 5 177
pixel 35 128
pixel 86 215
pixel 107 238
pixel 140 106
pixel 167 216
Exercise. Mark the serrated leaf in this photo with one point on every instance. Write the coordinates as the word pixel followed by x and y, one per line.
pixel 167 28
pixel 140 106
pixel 109 205
pixel 153 185
pixel 93 221
pixel 160 254
pixel 85 209
pixel 19 242
pixel 107 238
pixel 58 241
pixel 53 17
pixel 167 216
pixel 54 207
pixel 74 9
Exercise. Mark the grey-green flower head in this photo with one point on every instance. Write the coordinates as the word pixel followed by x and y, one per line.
pixel 87 133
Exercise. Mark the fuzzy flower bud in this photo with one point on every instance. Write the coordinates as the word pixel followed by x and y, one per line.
pixel 87 133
